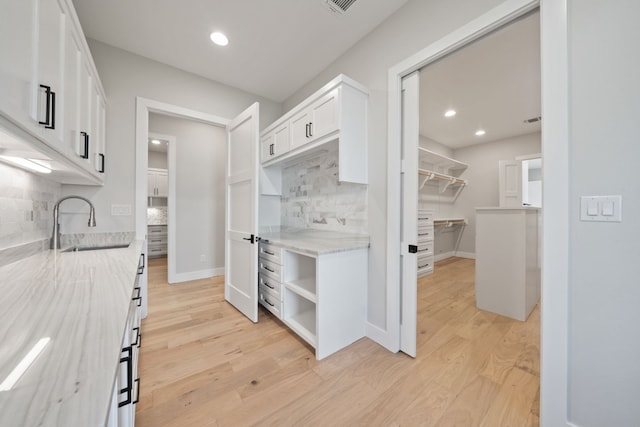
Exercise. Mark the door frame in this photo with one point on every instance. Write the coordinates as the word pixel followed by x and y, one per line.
pixel 555 148
pixel 144 106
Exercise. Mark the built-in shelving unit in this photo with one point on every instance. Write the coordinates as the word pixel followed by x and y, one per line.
pixel 449 222
pixel 441 175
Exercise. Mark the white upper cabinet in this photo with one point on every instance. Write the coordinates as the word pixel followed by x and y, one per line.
pixel 337 113
pixel 17 36
pixel 275 142
pixel 50 90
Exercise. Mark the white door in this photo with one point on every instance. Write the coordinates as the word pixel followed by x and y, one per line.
pixel 241 249
pixel 409 215
pixel 510 186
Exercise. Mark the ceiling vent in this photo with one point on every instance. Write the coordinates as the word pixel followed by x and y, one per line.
pixel 339 6
pixel 533 120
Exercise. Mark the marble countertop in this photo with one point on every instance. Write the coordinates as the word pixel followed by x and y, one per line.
pixel 80 301
pixel 317 242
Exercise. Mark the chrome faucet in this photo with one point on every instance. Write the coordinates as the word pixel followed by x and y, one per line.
pixel 54 243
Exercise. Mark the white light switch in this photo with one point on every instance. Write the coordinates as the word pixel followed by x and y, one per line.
pixel 601 208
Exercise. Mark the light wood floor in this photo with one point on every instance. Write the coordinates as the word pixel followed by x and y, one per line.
pixel 204 364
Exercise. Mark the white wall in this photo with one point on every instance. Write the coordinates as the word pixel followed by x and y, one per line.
pixel 482 175
pixel 604 318
pixel 201 152
pixel 157 160
pixel 415 26
pixel 125 76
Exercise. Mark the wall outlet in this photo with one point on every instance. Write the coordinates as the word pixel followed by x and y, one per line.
pixel 120 210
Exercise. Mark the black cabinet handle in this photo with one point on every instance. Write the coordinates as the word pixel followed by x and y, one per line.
pixel 50 113
pixel 306 130
pixel 271 149
pixel 101 163
pixel 138 337
pixel 267 252
pixel 268 269
pixel 128 359
pixel 138 297
pixel 137 399
pixel 423 266
pixel 268 285
pixel 310 129
pixel 85 135
pixel 268 302
pixel 141 264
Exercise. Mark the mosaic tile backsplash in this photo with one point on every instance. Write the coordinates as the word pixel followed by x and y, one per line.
pixel 26 206
pixel 312 197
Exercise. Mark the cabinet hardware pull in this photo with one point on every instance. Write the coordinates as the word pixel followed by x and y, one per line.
pixel 138 297
pixel 310 129
pixel 267 252
pixel 423 234
pixel 268 269
pixel 101 163
pixel 128 359
pixel 85 135
pixel 423 266
pixel 306 130
pixel 141 264
pixel 137 399
pixel 268 302
pixel 268 285
pixel 271 149
pixel 138 337
pixel 50 113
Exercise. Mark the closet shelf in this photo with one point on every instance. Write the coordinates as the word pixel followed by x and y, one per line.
pixel 430 160
pixel 449 222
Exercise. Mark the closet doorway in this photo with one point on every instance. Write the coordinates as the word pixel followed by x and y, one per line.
pixel 464 115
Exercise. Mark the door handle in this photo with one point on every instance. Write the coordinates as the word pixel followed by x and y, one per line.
pixel 251 239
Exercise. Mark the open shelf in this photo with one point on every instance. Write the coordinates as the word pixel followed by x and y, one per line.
pixel 449 222
pixel 306 287
pixel 300 315
pixel 300 274
pixel 441 164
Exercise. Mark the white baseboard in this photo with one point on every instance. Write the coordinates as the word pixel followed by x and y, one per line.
pixel 469 255
pixel 444 255
pixel 197 275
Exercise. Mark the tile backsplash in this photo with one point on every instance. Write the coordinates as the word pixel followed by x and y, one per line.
pixel 157 215
pixel 26 205
pixel 312 197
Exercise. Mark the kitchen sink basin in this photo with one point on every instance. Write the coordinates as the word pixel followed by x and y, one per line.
pixel 94 248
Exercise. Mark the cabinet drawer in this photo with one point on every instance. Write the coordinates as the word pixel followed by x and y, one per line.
pixel 425 216
pixel 425 249
pixel 156 230
pixel 270 269
pixel 270 253
pixel 425 233
pixel 425 264
pixel 271 285
pixel 156 251
pixel 269 301
pixel 154 240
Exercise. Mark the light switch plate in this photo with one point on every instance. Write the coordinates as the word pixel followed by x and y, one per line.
pixel 601 208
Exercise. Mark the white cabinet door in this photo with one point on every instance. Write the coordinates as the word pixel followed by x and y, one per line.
pixel 18 31
pixel 151 183
pixel 71 95
pixel 99 132
pixel 300 124
pixel 277 142
pixel 325 115
pixel 162 184
pixel 50 68
pixel 241 249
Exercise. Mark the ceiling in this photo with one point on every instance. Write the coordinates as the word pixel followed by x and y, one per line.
pixel 163 147
pixel 493 84
pixel 275 46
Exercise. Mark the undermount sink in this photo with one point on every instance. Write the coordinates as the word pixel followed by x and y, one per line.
pixel 95 248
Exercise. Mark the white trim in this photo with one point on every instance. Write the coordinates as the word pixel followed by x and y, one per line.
pixel 468 255
pixel 197 275
pixel 451 254
pixel 555 215
pixel 143 107
pixel 555 148
pixel 376 333
pixel 484 24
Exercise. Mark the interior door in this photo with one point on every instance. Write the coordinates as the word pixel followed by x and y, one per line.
pixel 241 248
pixel 409 227
pixel 510 176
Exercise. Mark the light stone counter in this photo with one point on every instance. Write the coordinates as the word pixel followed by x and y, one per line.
pixel 80 300
pixel 317 242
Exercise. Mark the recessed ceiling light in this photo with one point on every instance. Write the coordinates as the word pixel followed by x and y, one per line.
pixel 480 132
pixel 155 141
pixel 219 38
pixel 450 113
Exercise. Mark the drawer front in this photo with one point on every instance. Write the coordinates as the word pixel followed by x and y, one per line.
pixel 271 285
pixel 156 251
pixel 425 216
pixel 270 253
pixel 270 269
pixel 269 301
pixel 156 230
pixel 425 249
pixel 157 240
pixel 425 233
pixel 425 263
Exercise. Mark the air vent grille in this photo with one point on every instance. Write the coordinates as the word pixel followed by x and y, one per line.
pixel 339 6
pixel 533 120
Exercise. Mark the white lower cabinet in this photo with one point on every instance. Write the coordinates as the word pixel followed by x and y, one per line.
pixel 126 390
pixel 320 297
